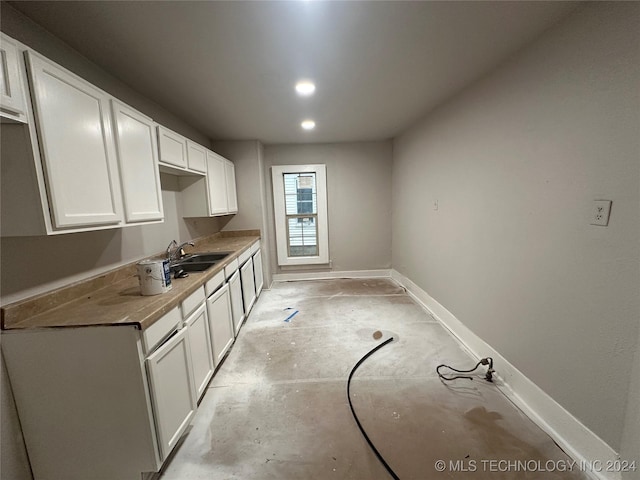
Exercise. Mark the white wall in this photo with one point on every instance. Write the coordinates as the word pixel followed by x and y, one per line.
pixel 359 200
pixel 515 162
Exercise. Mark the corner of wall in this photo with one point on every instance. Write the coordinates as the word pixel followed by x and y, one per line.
pixel 578 441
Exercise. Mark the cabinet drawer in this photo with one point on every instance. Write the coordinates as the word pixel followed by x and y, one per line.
pixel 213 284
pixel 244 256
pixel 255 247
pixel 231 268
pixel 192 302
pixel 160 330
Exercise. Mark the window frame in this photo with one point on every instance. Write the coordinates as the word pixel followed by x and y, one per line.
pixel 280 217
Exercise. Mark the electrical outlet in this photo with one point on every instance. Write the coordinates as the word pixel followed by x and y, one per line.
pixel 600 213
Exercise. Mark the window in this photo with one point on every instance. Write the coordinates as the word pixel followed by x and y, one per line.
pixel 300 206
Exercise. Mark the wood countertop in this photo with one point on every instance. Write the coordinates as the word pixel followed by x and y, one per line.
pixel 114 298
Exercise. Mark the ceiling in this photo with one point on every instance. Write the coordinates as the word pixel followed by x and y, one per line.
pixel 229 68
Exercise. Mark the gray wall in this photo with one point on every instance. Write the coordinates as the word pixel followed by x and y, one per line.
pixel 248 158
pixel 36 264
pixel 13 456
pixel 23 29
pixel 515 162
pixel 359 200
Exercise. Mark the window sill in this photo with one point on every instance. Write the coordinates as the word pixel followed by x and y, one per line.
pixel 306 266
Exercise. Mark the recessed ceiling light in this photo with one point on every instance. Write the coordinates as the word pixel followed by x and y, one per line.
pixel 308 124
pixel 305 88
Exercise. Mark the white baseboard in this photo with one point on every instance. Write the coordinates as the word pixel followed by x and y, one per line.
pixel 288 277
pixel 580 443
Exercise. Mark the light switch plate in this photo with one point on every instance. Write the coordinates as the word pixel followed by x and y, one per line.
pixel 600 212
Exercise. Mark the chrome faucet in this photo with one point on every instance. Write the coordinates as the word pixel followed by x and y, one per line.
pixel 178 253
pixel 171 245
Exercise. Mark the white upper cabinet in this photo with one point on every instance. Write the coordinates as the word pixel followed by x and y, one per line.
pixel 12 102
pixel 179 155
pixel 173 148
pixel 214 195
pixel 216 184
pixel 232 198
pixel 74 130
pixel 81 161
pixel 196 157
pixel 138 161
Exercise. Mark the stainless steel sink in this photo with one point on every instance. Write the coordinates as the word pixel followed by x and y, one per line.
pixel 204 257
pixel 199 262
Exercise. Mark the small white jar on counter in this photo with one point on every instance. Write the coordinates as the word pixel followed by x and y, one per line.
pixel 155 276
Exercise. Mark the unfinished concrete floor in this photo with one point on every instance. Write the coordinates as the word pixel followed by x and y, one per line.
pixel 277 407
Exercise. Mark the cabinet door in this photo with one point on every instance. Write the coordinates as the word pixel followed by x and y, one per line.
pixel 196 157
pixel 138 161
pixel 232 197
pixel 216 184
pixel 219 309
pixel 172 394
pixel 74 128
pixel 248 285
pixel 201 349
pixel 257 272
pixel 11 89
pixel 172 147
pixel 237 309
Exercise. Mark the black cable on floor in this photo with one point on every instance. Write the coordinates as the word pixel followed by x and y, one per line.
pixel 366 437
pixel 485 361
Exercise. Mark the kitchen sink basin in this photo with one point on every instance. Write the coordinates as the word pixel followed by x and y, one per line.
pixel 204 257
pixel 199 262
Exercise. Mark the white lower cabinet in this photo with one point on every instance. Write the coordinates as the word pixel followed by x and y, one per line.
pixel 237 308
pixel 257 272
pixel 111 402
pixel 201 350
pixel 172 394
pixel 84 401
pixel 248 285
pixel 222 333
